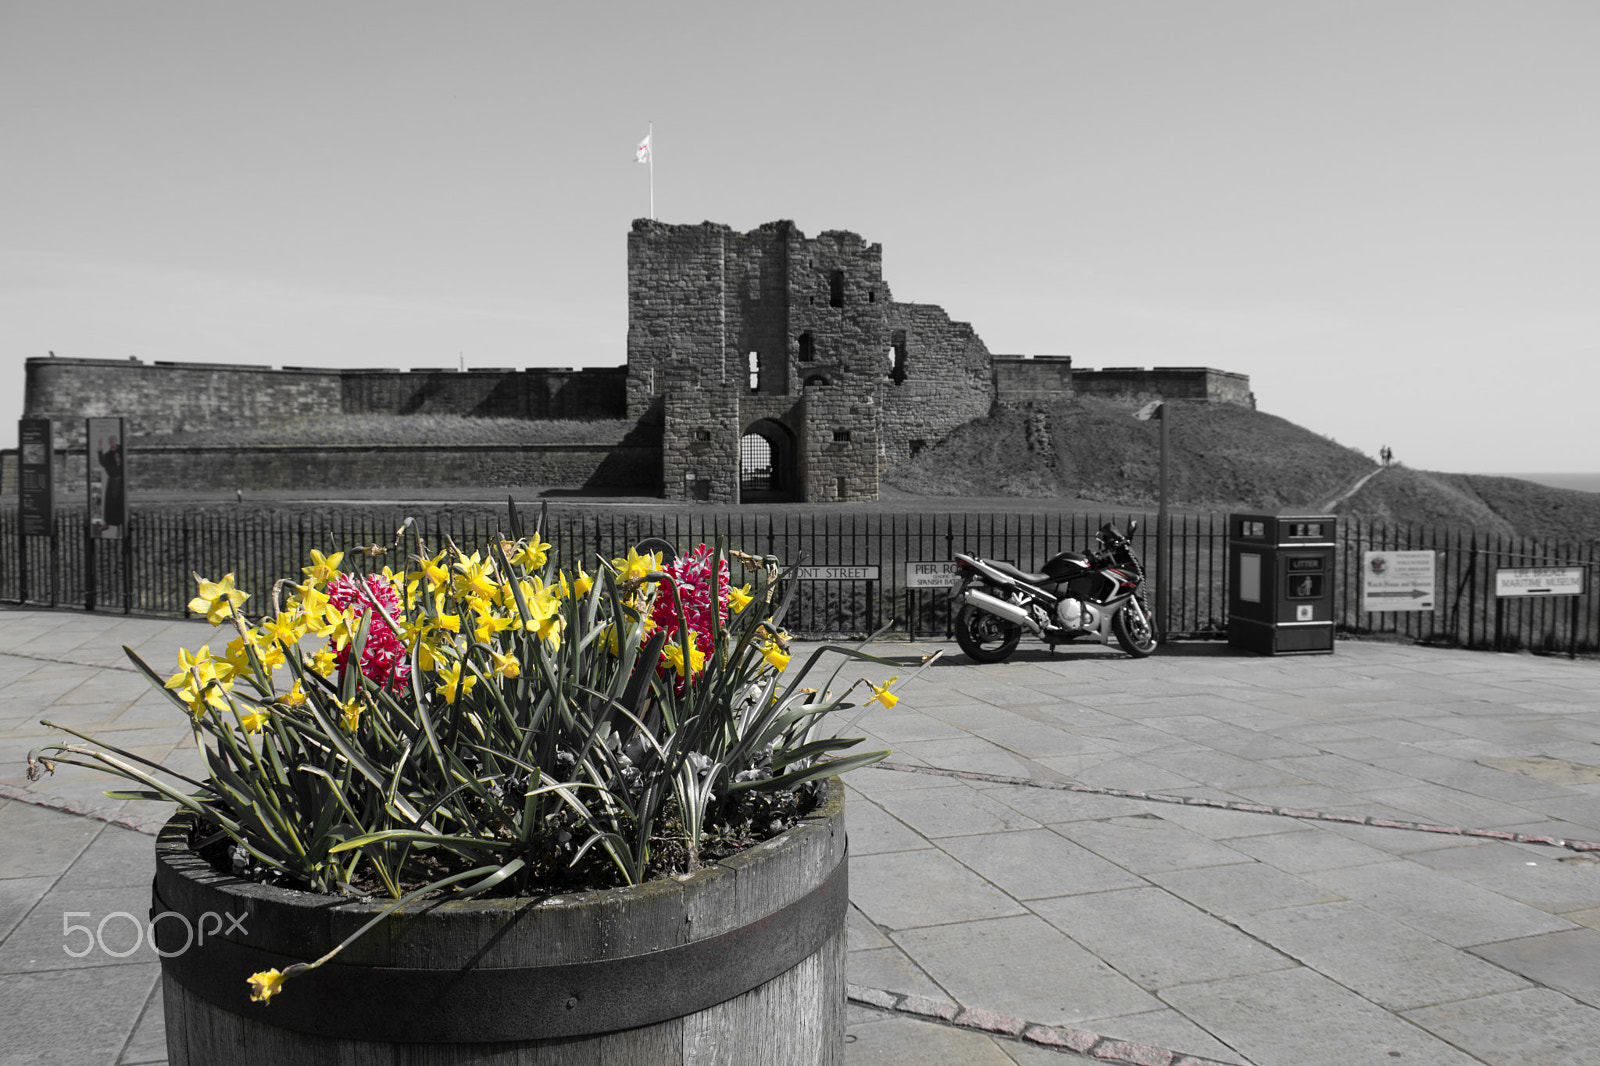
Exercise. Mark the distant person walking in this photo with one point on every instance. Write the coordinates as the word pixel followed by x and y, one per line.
pixel 1386 454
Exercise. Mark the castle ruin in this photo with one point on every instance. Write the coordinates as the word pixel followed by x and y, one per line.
pixel 761 366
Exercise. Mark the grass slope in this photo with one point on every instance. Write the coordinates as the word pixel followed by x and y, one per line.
pixel 1223 457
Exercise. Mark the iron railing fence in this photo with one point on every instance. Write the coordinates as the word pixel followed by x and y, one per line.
pixel 858 577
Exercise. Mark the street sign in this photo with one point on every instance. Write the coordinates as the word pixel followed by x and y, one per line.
pixel 930 575
pixel 1397 581
pixel 837 573
pixel 1539 581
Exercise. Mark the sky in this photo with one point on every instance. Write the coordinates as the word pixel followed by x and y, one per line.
pixel 1382 211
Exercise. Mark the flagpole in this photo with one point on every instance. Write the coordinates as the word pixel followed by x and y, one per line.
pixel 651 137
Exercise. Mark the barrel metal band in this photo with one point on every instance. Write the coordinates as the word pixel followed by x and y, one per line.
pixel 475 1004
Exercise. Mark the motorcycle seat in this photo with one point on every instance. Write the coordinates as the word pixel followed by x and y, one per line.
pixel 1012 571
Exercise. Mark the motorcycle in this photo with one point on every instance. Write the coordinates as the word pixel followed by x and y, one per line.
pixel 1097 596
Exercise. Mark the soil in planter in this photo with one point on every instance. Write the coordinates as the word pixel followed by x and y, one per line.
pixel 760 818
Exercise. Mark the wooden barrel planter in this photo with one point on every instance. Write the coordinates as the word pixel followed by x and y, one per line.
pixel 741 962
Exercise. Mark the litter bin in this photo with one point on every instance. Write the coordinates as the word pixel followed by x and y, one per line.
pixel 1280 583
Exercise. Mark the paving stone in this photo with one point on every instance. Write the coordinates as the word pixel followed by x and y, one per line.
pixel 1567 961
pixel 1221 770
pixel 980 961
pixel 860 933
pixel 1230 891
pixel 1296 1017
pixel 941 812
pixel 1046 805
pixel 1033 863
pixel 874 830
pixel 1220 823
pixel 43 843
pixel 1534 876
pixel 1170 1030
pixel 902 1041
pixel 19 895
pixel 147 1046
pixel 892 970
pixel 1534 1027
pixel 1391 964
pixel 1300 850
pixel 1156 939
pixel 1441 906
pixel 906 889
pixel 72 1017
pixel 1147 845
pixel 974 755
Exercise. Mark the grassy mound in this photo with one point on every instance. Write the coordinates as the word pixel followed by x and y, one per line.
pixel 1223 457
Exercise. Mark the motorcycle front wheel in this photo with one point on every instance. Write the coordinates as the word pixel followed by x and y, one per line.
pixel 984 637
pixel 1134 630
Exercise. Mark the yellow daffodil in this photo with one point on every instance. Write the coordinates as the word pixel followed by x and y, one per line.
pixel 489 624
pixel 673 654
pixel 201 680
pixel 217 599
pixel 582 583
pixel 883 695
pixel 506 664
pixel 476 576
pixel 265 985
pixel 317 615
pixel 530 554
pixel 324 662
pixel 739 598
pixel 295 697
pixel 636 566
pixel 774 654
pixel 285 629
pixel 451 682
pixel 322 568
pixel 253 721
pixel 432 570
pixel 351 710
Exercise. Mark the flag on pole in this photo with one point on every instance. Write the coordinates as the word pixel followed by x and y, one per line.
pixel 641 154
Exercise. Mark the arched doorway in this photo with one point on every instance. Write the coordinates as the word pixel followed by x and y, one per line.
pixel 767 471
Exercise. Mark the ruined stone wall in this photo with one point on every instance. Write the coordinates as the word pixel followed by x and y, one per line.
pixel 171 397
pixel 161 397
pixel 1037 379
pixel 1136 385
pixel 631 467
pixel 936 375
pixel 840 451
pixel 535 393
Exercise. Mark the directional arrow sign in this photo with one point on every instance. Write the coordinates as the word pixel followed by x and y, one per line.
pixel 1397 581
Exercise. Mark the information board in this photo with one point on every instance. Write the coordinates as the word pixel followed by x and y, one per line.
pixel 930 575
pixel 1398 581
pixel 36 481
pixel 108 483
pixel 1539 581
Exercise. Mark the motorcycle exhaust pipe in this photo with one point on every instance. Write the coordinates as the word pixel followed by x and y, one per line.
pixel 1000 609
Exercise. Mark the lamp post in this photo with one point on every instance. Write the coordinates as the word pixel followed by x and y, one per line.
pixel 1157 409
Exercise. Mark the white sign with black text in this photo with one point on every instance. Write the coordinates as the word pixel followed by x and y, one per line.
pixel 1398 581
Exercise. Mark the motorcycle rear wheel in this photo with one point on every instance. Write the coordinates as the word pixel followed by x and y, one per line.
pixel 984 637
pixel 1134 630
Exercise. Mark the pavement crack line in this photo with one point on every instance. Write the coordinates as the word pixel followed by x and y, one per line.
pixel 1248 808
pixel 1055 1037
